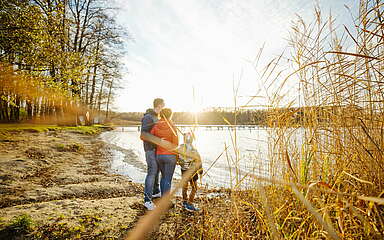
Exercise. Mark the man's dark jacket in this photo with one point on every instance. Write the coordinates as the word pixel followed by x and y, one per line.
pixel 147 123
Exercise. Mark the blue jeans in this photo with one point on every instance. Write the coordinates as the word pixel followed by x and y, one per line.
pixel 167 164
pixel 152 179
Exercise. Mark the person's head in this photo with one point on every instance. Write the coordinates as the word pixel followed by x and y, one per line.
pixel 158 104
pixel 166 113
pixel 188 137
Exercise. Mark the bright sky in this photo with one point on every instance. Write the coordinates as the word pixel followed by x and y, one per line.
pixel 205 46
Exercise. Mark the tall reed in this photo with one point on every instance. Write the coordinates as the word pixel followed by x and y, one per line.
pixel 326 147
pixel 341 123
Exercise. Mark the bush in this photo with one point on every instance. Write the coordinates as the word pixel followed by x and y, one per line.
pixel 18 226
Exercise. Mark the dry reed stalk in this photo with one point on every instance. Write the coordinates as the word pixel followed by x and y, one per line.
pixel 340 118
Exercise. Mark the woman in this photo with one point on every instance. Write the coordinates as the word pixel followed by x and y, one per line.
pixel 166 159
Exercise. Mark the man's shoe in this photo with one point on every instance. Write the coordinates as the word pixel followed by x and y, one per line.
pixel 190 207
pixel 185 204
pixel 157 195
pixel 196 209
pixel 149 205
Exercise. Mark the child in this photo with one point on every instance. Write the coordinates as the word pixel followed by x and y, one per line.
pixel 185 164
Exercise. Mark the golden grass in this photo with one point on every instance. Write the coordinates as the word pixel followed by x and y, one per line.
pixel 330 183
pixel 342 141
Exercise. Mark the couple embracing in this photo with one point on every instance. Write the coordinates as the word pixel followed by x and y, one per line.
pixel 158 121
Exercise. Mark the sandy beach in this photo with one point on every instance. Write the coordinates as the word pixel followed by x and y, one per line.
pixel 60 178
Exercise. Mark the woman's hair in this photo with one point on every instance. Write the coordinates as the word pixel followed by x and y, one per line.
pixel 166 113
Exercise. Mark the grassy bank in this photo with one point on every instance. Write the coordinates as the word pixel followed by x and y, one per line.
pixel 94 129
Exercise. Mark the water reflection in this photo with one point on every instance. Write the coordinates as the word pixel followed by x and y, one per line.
pixel 228 153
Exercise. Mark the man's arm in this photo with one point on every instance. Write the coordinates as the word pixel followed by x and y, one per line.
pixel 147 123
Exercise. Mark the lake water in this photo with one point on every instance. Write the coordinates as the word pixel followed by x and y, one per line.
pixel 228 154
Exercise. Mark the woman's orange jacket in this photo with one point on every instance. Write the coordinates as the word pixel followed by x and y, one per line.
pixel 163 130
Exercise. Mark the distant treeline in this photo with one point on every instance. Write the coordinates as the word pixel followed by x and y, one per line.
pixel 244 117
pixel 213 117
pixel 273 117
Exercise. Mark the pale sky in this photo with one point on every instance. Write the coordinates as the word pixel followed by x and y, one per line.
pixel 206 45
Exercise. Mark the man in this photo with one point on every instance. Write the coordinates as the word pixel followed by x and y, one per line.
pixel 151 187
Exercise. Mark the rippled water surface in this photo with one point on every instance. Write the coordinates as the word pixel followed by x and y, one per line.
pixel 221 166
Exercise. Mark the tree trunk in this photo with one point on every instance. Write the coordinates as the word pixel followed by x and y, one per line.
pixel 100 94
pixel 43 109
pixel 2 107
pixel 93 87
pixel 17 109
pixel 94 75
pixel 87 87
pixel 109 99
pixel 35 109
pixel 29 109
pixel 86 21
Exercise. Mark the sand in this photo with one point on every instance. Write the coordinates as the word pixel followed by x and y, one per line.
pixel 61 177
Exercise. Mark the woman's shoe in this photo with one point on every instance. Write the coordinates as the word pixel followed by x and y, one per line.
pixel 149 205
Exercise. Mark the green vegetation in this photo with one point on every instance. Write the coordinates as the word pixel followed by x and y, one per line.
pixel 82 227
pixel 94 129
pixel 18 226
pixel 73 147
pixel 21 224
pixel 85 228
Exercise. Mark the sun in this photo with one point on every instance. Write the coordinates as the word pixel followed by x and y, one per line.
pixel 196 109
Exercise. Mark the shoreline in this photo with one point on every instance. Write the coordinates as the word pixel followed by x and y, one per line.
pixel 61 182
